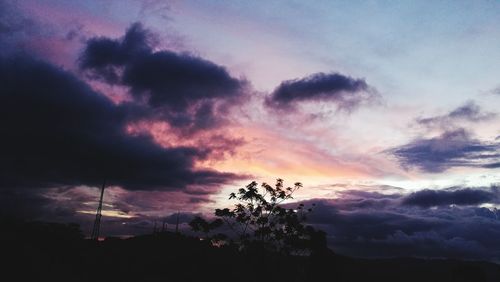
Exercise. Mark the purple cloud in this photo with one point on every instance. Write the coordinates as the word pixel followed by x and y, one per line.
pixel 454 148
pixel 343 91
pixel 188 91
pixel 431 198
pixel 470 111
pixel 391 227
pixel 60 132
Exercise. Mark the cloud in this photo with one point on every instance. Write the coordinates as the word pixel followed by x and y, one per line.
pixel 11 20
pixel 343 91
pixel 392 227
pixel 218 144
pixel 496 91
pixel 431 198
pixel 188 91
pixel 470 112
pixel 57 131
pixel 102 55
pixel 492 165
pixel 124 212
pixel 47 204
pixel 454 148
pixel 22 31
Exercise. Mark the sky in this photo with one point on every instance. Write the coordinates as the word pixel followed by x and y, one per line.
pixel 386 111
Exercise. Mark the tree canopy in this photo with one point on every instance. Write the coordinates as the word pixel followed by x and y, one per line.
pixel 260 219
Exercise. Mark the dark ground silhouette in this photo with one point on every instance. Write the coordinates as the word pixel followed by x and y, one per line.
pixel 37 251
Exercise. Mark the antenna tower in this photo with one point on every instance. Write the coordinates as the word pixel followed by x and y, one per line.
pixel 98 215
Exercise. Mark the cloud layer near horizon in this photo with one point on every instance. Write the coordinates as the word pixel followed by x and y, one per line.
pixel 429 223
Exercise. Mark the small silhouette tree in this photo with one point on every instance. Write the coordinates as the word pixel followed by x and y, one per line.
pixel 259 220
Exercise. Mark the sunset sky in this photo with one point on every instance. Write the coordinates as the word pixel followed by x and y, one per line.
pixel 386 111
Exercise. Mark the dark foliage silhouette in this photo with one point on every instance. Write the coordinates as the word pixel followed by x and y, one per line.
pixel 260 220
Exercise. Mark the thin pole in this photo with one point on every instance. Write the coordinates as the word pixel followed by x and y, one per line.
pixel 177 224
pixel 163 229
pixel 98 215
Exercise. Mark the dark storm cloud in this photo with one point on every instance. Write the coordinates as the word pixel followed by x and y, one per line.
pixel 455 148
pixel 178 80
pixel 102 55
pixel 398 229
pixel 189 91
pixel 431 198
pixel 344 91
pixel 470 111
pixel 57 131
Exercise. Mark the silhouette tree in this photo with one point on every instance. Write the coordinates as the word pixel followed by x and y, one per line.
pixel 260 221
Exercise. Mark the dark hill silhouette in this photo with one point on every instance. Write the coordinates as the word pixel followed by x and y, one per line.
pixel 36 251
